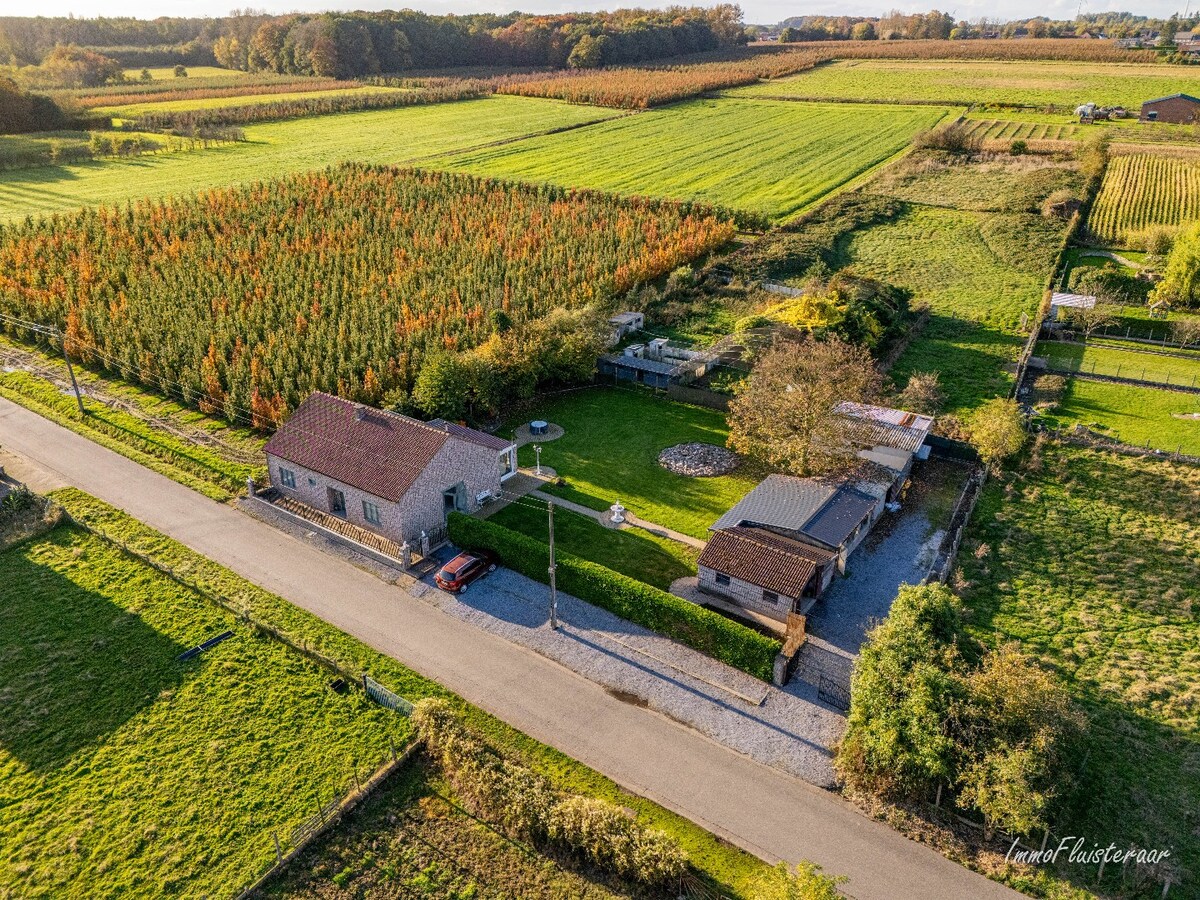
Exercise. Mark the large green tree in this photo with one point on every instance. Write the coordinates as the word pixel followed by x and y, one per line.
pixel 1180 283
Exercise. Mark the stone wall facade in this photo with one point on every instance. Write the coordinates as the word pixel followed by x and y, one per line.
pixel 422 508
pixel 745 594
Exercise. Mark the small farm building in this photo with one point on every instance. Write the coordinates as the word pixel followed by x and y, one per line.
pixel 1062 304
pixel 776 550
pixel 1179 109
pixel 658 364
pixel 764 571
pixel 625 324
pixel 382 471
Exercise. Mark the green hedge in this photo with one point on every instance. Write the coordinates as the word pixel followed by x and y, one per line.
pixel 650 607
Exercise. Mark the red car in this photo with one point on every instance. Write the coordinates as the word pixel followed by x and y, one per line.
pixel 463 569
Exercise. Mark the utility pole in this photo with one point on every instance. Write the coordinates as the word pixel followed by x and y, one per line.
pixel 71 372
pixel 553 586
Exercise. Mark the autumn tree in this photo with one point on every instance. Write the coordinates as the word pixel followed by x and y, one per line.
pixel 1014 730
pixel 997 431
pixel 923 394
pixel 784 413
pixel 1089 319
pixel 1186 332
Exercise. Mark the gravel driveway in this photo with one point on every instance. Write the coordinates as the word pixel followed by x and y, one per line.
pixel 789 729
pixel 897 552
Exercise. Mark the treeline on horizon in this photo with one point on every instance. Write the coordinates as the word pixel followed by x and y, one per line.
pixel 346 45
pixel 936 25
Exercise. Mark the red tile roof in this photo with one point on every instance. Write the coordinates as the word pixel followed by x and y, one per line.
pixel 382 453
pixel 763 558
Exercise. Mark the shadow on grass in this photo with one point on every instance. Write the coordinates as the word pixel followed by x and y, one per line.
pixel 74 666
pixel 969 356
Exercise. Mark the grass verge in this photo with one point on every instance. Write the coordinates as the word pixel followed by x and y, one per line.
pixel 126 771
pixel 198 468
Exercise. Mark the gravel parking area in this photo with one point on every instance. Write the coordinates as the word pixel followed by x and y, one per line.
pixel 789 729
pixel 898 552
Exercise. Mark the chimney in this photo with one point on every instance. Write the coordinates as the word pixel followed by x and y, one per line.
pixel 360 412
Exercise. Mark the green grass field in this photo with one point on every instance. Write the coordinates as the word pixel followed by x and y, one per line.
pixel 160 73
pixel 125 772
pixel 1142 416
pixel 1122 361
pixel 976 277
pixel 630 551
pixel 375 136
pixel 964 82
pixel 968 246
pixel 610 453
pixel 768 158
pixel 166 105
pixel 1091 561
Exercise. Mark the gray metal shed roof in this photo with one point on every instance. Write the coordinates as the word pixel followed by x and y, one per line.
pixel 781 501
pixel 645 365
pixel 837 519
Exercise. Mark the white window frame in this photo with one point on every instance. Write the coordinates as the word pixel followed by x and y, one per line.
pixel 287 478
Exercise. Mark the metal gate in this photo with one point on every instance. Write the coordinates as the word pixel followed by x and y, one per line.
pixel 384 697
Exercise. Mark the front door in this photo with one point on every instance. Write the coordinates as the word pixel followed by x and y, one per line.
pixel 453 499
pixel 337 502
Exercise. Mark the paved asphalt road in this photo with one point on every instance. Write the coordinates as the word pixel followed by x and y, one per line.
pixel 757 807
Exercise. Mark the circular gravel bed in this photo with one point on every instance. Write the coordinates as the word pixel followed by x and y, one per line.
pixel 698 460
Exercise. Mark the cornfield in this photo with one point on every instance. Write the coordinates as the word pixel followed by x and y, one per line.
pixel 341 280
pixel 639 88
pixel 1142 190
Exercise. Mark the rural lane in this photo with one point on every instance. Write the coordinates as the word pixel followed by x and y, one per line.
pixel 755 806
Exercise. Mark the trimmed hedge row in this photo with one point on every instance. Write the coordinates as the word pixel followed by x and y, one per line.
pixel 699 628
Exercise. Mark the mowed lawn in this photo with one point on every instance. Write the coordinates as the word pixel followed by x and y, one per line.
pixel 125 772
pixel 984 82
pixel 764 157
pixel 160 73
pixel 1091 560
pixel 1114 359
pixel 610 452
pixel 162 105
pixel 1143 416
pixel 409 134
pixel 632 551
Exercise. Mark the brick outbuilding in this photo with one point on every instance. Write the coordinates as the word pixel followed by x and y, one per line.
pixel 1178 109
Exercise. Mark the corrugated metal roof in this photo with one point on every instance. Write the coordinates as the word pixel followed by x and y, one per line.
pixel 885 427
pixel 762 558
pixel 645 365
pixel 781 501
pixel 1085 301
pixel 842 513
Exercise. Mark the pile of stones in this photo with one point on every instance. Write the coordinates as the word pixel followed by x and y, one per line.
pixel 698 460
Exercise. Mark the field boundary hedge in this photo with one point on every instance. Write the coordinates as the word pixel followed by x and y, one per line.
pixel 699 628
